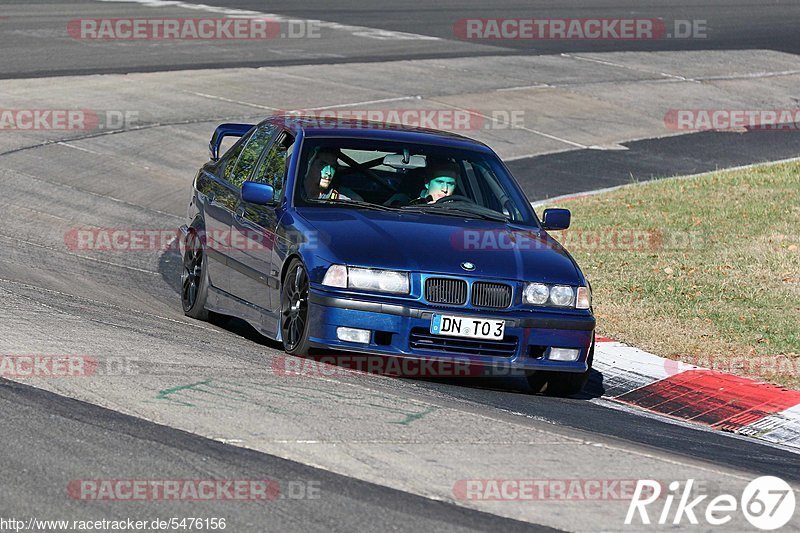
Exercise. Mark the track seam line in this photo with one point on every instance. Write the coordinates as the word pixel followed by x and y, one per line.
pixel 84 191
pixel 101 304
pixel 96 135
pixel 89 258
pixel 67 313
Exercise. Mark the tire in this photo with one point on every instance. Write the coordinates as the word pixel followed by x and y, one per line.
pixel 194 278
pixel 294 309
pixel 561 383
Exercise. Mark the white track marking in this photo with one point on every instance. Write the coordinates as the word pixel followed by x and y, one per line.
pixel 524 87
pixel 530 130
pixel 64 143
pixel 229 100
pixel 365 102
pixel 627 67
pixel 676 77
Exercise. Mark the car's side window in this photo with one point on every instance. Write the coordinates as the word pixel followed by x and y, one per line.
pixel 238 173
pixel 231 156
pixel 272 170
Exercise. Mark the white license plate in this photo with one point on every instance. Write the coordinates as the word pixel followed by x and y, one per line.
pixel 463 326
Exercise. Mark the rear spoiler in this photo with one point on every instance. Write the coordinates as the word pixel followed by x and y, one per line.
pixel 226 130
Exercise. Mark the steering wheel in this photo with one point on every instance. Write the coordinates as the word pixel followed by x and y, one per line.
pixel 453 198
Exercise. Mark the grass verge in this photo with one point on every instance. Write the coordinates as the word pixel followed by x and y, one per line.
pixel 705 270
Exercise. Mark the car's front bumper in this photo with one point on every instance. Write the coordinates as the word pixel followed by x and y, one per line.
pixel 392 326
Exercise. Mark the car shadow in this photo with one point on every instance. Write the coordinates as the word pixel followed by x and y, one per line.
pixel 509 381
pixel 169 267
pixel 594 387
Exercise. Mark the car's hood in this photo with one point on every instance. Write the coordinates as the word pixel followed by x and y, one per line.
pixel 439 244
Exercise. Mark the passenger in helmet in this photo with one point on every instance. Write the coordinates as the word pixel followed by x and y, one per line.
pixel 321 171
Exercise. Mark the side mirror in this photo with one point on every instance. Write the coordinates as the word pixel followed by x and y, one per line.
pixel 257 193
pixel 554 219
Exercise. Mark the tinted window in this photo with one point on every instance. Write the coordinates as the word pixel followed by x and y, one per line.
pixel 249 155
pixel 231 156
pixel 438 179
pixel 272 170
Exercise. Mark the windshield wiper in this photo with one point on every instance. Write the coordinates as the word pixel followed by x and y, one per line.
pixel 467 209
pixel 356 203
pixel 450 209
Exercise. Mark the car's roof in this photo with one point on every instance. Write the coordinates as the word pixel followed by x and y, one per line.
pixel 312 126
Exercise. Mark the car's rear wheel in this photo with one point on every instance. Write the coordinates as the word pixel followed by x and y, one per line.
pixel 194 279
pixel 294 309
pixel 561 383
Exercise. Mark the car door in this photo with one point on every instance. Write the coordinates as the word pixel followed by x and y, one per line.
pixel 251 153
pixel 254 226
pixel 219 198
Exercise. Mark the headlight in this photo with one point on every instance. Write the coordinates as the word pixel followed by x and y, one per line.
pixel 536 293
pixel 369 279
pixel 561 295
pixel 556 295
pixel 377 280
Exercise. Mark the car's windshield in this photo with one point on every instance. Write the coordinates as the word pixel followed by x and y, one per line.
pixel 342 172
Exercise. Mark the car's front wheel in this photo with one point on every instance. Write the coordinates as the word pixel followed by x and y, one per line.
pixel 561 383
pixel 194 279
pixel 294 309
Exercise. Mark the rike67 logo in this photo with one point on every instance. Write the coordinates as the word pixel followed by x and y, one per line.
pixel 767 502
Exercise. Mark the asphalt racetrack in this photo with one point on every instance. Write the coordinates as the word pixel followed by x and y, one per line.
pixel 182 399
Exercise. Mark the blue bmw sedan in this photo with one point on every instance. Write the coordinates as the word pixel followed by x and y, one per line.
pixel 384 239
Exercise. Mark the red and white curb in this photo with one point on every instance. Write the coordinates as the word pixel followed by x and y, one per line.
pixel 698 395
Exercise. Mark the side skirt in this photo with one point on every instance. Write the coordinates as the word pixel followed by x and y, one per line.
pixel 265 322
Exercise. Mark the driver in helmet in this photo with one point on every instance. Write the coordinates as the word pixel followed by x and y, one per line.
pixel 441 182
pixel 319 178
